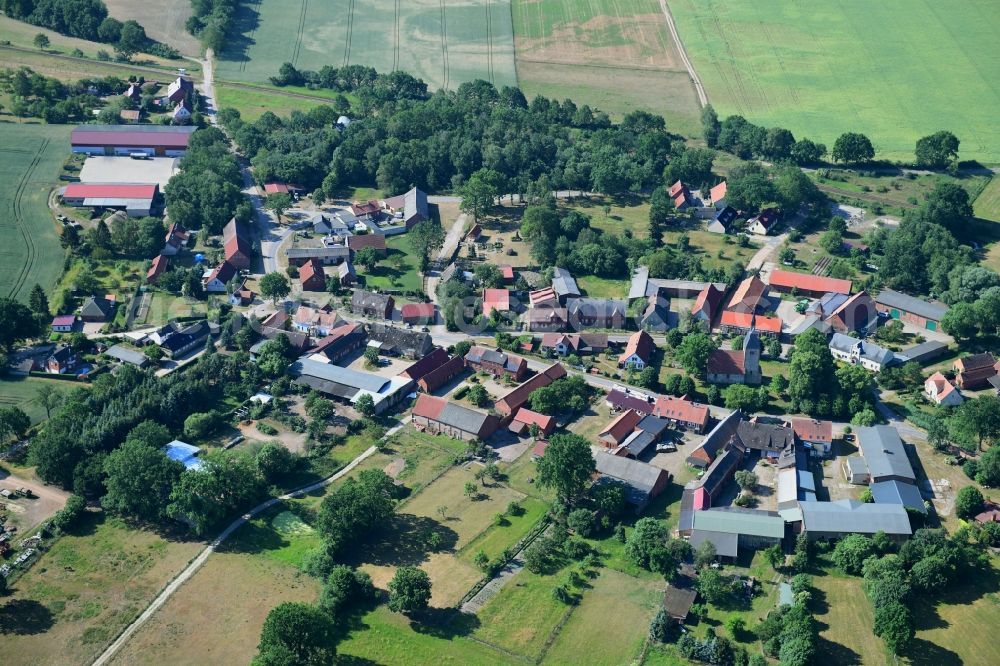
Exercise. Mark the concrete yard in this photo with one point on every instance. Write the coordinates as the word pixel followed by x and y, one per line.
pixel 127 170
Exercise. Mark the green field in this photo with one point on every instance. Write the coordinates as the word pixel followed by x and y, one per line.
pixel 15 392
pixel 445 44
pixel 615 55
pixel 895 70
pixel 30 160
pixel 987 204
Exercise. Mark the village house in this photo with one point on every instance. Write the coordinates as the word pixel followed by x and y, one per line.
pixel 329 255
pixel 495 300
pixel 736 367
pixel 638 351
pixel 176 339
pixel 656 315
pixel 441 417
pixel 680 195
pixel 707 304
pixel 563 344
pixel 647 432
pixel 525 421
pixel 856 314
pixel 915 311
pixel 157 268
pixel 701 493
pixel 374 241
pixel 315 321
pixel 63 323
pixel 543 297
pixel 62 361
pixel 769 439
pixel 717 440
pixel 175 240
pixel 973 372
pixel 399 341
pixel 98 308
pixel 596 313
pixel 441 375
pixel 518 396
pixel 242 295
pixel 215 279
pixel 237 244
pixel 619 429
pixel 312 277
pixel 868 355
pixel 496 363
pixel 370 304
pixel 942 392
pixel 345 274
pixel 418 314
pixel 564 285
pixel 814 435
pixel 884 457
pixel 126 355
pixel 718 195
pixel 682 412
pixel 545 318
pixel 723 220
pixel 740 323
pixel 340 342
pixel 750 297
pixel 764 222
pixel 620 401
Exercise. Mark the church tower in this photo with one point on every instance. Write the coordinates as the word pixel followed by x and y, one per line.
pixel 751 355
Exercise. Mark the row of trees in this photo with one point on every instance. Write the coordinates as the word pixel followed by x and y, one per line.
pixel 48 98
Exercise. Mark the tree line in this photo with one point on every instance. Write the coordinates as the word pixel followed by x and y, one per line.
pixel 211 21
pixel 39 96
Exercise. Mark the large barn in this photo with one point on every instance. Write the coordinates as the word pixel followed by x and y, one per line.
pixel 152 140
pixel 135 200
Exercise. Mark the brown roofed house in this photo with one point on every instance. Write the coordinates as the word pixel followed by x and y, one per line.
pixel 517 397
pixel 973 372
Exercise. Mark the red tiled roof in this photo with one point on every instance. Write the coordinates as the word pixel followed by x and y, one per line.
pixel 335 335
pixel 711 296
pixel 371 206
pixel 718 192
pixel 519 394
pixel 676 189
pixel 507 272
pixel 376 241
pixel 281 188
pixel 224 272
pixel 539 449
pixel 748 294
pixel 813 430
pixel 429 407
pixel 439 375
pixel 104 191
pixel 528 418
pixel 744 320
pixel 726 362
pixel 417 311
pixel 156 269
pixel 495 299
pixel 541 296
pixel 63 320
pixel 804 281
pixel 679 409
pixel 311 269
pixel 639 343
pixel 622 426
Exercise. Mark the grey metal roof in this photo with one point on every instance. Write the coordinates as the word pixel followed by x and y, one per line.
pixel 856 464
pixel 638 442
pixel 923 352
pixel 415 203
pixel 637 475
pixel 919 307
pixel 720 471
pixel 654 425
pixel 563 283
pixel 597 307
pixel 851 516
pixel 720 435
pixel 897 492
pixel 639 284
pixel 330 252
pixel 884 452
pixel 752 522
pixel 126 355
pixel 726 543
pixel 360 381
pixel 765 436
pixel 868 350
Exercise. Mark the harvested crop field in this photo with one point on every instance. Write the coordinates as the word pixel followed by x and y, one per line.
pixel 613 55
pixel 164 21
pixel 443 42
pixel 895 70
pixel 30 159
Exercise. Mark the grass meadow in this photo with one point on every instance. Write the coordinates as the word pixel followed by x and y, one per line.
pixel 895 70
pixel 987 204
pixel 445 44
pixel 21 392
pixel 84 590
pixel 614 55
pixel 30 159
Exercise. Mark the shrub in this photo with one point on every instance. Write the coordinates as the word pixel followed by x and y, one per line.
pixel 582 522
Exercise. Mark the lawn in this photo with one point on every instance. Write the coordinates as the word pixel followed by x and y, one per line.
pixel 523 615
pixel 398 271
pixel 445 44
pixel 21 392
pixel 31 157
pixel 253 102
pixel 596 287
pixel 616 56
pixel 82 592
pixel 495 540
pixel 845 620
pixel 611 622
pixel 821 69
pixel 987 204
pixel 165 306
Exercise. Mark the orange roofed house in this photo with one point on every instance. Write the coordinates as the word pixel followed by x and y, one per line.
pixel 941 391
pixel 638 351
pixel 239 249
pixel 518 397
pixel 524 418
